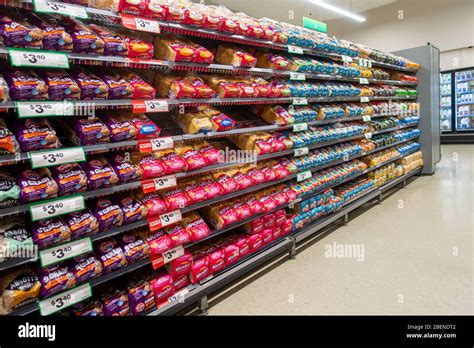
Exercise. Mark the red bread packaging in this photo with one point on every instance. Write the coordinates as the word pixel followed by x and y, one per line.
pixel 172 162
pixel 200 269
pixel 267 236
pixel 193 158
pixel 154 203
pixel 150 166
pixel 210 153
pixel 181 265
pixel 256 207
pixel 178 234
pixel 158 242
pixel 196 226
pixel 174 198
pixel 242 209
pixel 216 259
pixel 163 286
pixel 213 188
pixel 220 215
pixel 255 242
pixel 181 281
pixel 227 182
pixel 194 192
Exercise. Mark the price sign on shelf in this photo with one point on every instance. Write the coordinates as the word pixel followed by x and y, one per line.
pixel 366 118
pixel 65 251
pixel 300 101
pixel 297 76
pixel 364 99
pixel 346 59
pixel 300 127
pixel 364 81
pixel 156 144
pixel 303 175
pixel 368 135
pixel 38 59
pixel 159 183
pixel 56 157
pixel 56 207
pixel 144 106
pixel 42 109
pixel 295 49
pixel 43 6
pixel 163 220
pixel 169 255
pixel 65 299
pixel 178 296
pixel 365 63
pixel 301 151
pixel 139 23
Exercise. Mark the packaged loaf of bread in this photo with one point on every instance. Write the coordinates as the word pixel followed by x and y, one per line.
pixel 155 204
pixel 193 122
pixel 85 267
pixel 212 187
pixel 8 143
pixel 91 86
pixel 114 43
pixel 87 308
pixel 196 226
pixel 99 172
pixel 150 166
pixel 19 286
pixel 210 153
pixel 146 128
pixel 55 37
pixel 133 209
pixel 187 85
pixel 194 192
pixel 50 232
pixel 81 223
pixel 9 190
pixel 120 126
pixel 36 184
pixel 141 88
pixel 15 240
pixel 174 198
pixel 119 87
pixel 133 246
pixel 219 121
pixel 270 60
pixel 110 254
pixel 70 178
pixel 174 49
pixel 36 134
pixel 224 86
pixel 178 234
pixel 220 215
pixel 172 162
pixel 140 44
pixel 4 90
pixel 61 86
pixel 84 39
pixel 17 32
pixel 25 84
pixel 126 170
pixel 224 178
pixel 235 56
pixel 194 160
pixel 158 241
pixel 108 213
pixel 90 131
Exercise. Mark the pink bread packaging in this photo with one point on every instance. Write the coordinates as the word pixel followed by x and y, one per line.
pixel 163 286
pixel 181 265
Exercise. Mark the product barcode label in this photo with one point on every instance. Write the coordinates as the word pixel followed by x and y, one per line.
pixel 346 59
pixel 141 24
pixel 300 127
pixel 295 49
pixel 366 118
pixel 297 76
pixel 301 151
pixel 56 207
pixel 364 99
pixel 49 158
pixel 43 6
pixel 38 59
pixel 65 299
pixel 42 109
pixel 300 101
pixel 368 135
pixel 303 175
pixel 363 81
pixel 65 251
pixel 159 183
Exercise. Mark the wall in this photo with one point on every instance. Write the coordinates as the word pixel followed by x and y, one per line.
pixel 447 24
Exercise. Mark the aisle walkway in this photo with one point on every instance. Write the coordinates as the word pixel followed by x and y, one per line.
pixel 418 259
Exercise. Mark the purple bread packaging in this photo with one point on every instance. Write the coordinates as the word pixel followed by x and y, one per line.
pixel 54 279
pixel 115 303
pixel 85 268
pixel 36 134
pixel 50 232
pixel 140 296
pixel 99 173
pixel 36 184
pixel 25 84
pixel 90 131
pixel 70 178
pixel 82 223
pixel 108 214
pixel 110 255
pixel 91 86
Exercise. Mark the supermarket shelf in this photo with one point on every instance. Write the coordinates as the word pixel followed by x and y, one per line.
pixel 468 103
pixel 14 262
pixel 463 93
pixel 110 18
pixel 163 65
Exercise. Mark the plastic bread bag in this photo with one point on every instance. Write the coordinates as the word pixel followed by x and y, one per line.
pixel 88 308
pixel 14 238
pixel 55 278
pixel 150 166
pixel 55 37
pixel 172 162
pixel 70 178
pixel 115 302
pixel 60 85
pixel 19 286
pixel 133 209
pixel 4 90
pixel 110 255
pixel 220 215
pixel 140 44
pixel 178 234
pixel 194 159
pixel 174 198
pixel 124 168
pixel 119 87
pixel 99 173
pixel 147 129
pixel 193 122
pixel 8 142
pixel 84 39
pixel 224 86
pixel 46 233
pixel 91 86
pixel 196 226
pixel 85 267
pixel 133 246
pixel 141 88
pixel 108 214
pixel 194 192
pixel 210 152
pixel 114 44
pixel 82 223
pixel 213 188
pixel 174 49
pixel 90 131
pixel 36 184
pixel 17 32
pixel 140 296
pixel 120 127
pixel 158 241
pixel 25 84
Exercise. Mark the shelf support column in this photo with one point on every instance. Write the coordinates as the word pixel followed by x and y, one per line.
pixel 203 305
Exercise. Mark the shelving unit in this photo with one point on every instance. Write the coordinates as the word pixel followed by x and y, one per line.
pixel 193 294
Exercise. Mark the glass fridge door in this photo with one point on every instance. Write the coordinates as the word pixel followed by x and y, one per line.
pixel 464 99
pixel 445 99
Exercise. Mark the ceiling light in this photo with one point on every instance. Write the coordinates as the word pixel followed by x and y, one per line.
pixel 339 10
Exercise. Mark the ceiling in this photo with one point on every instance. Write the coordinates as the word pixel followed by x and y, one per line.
pixel 280 9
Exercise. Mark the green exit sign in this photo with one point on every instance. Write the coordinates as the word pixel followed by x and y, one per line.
pixel 314 25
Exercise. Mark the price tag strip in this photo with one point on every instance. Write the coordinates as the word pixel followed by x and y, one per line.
pixel 65 251
pixel 304 176
pixel 49 158
pixel 300 127
pixel 156 184
pixel 42 109
pixel 144 106
pixel 178 296
pixel 56 207
pixel 297 76
pixel 346 59
pixel 368 135
pixel 295 49
pixel 300 101
pixel 43 6
pixel 65 299
pixel 366 118
pixel 301 151
pixel 364 99
pixel 140 24
pixel 157 222
pixel 363 81
pixel 156 144
pixel 22 57
pixel 158 261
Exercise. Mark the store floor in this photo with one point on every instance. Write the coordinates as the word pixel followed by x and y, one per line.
pixel 417 256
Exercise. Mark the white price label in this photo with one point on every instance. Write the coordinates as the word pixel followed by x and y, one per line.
pixel 366 118
pixel 56 207
pixel 65 299
pixel 364 81
pixel 368 135
pixel 170 218
pixel 156 106
pixel 147 25
pixel 172 254
pixel 297 76
pixel 65 251
pixel 295 49
pixel 346 59
pixel 44 6
pixel 56 157
pixel 38 59
pixel 364 99
pixel 300 101
pixel 301 151
pixel 42 109
pixel 300 127
pixel 164 182
pixel 161 143
pixel 303 175
pixel 179 296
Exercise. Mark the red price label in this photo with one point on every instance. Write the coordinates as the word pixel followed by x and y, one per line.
pixel 139 23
